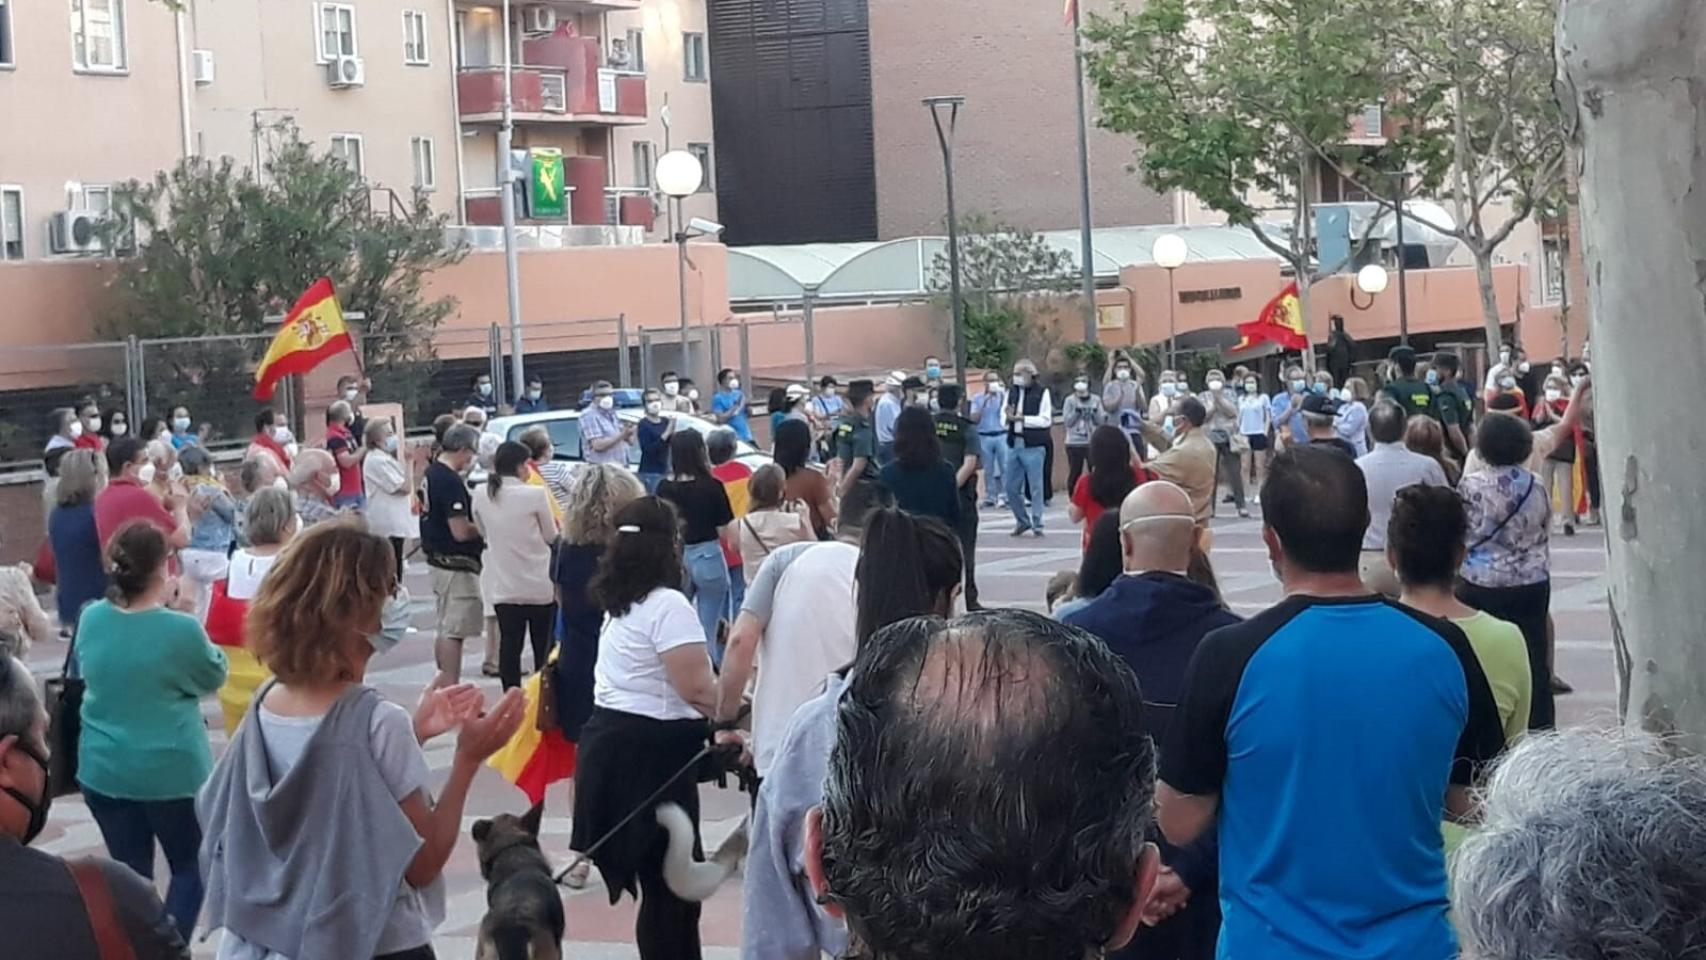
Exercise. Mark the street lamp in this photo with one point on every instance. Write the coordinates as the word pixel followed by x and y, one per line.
pixel 506 171
pixel 945 137
pixel 1371 280
pixel 679 175
pixel 1170 251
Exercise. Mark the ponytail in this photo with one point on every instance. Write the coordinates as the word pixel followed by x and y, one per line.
pixel 907 565
pixel 506 462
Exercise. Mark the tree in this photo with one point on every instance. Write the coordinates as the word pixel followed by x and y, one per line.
pixel 1472 93
pixel 1234 99
pixel 1011 282
pixel 220 252
pixel 1631 82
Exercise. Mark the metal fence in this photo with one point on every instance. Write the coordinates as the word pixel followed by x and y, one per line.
pixel 40 380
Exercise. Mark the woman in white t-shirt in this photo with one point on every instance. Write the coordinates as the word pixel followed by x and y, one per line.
pixel 271 522
pixel 652 691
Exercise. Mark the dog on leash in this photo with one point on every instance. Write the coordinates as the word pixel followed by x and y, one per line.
pixel 524 913
pixel 688 878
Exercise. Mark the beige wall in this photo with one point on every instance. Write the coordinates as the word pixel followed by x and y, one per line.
pixel 663 23
pixel 264 57
pixel 59 126
pixel 1016 154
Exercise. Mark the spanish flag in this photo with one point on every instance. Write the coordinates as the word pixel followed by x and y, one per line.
pixel 313 331
pixel 533 759
pixel 1281 322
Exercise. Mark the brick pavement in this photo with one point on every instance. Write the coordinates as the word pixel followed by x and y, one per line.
pixel 1011 572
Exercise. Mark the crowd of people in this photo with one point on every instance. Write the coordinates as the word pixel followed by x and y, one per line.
pixel 1142 773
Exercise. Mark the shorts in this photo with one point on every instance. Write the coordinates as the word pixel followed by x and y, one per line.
pixel 1257 441
pixel 457 596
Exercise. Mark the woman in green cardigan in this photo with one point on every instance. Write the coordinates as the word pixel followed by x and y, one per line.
pixel 143 752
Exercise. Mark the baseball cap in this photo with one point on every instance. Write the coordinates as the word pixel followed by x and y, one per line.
pixel 897 378
pixel 796 391
pixel 1321 403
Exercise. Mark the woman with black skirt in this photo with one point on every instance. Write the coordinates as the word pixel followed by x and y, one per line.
pixel 652 691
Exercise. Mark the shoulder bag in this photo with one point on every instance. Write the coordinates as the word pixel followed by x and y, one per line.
pixel 110 939
pixel 62 696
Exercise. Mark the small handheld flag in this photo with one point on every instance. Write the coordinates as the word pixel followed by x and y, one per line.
pixel 313 331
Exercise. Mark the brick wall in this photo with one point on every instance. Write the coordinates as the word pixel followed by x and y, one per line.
pixel 1016 153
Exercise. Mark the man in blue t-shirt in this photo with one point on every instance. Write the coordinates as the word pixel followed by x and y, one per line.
pixel 729 405
pixel 1325 739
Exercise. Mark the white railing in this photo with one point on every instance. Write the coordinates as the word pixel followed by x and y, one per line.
pixel 613 201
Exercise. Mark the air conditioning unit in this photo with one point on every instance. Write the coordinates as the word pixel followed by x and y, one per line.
pixel 202 66
pixel 77 231
pixel 538 18
pixel 346 71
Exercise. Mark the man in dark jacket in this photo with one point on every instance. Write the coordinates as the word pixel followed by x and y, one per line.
pixel 1153 618
pixel 42 912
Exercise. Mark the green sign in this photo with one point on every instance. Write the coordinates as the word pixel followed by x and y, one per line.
pixel 548 196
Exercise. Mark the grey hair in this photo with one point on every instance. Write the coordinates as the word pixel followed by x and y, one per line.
pixel 1594 845
pixel 309 464
pixel 270 514
pixel 460 439
pixel 82 474
pixel 256 473
pixel 20 704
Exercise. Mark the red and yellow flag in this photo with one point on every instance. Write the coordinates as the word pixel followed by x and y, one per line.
pixel 533 759
pixel 313 331
pixel 1281 322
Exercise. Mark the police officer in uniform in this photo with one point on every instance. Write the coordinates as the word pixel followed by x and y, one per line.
pixel 957 436
pixel 856 437
pixel 1415 396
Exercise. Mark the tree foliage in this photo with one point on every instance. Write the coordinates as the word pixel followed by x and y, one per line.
pixel 219 252
pixel 1011 283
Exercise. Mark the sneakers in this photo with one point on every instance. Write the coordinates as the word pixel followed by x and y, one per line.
pixel 1244 512
pixel 1037 532
pixel 1020 530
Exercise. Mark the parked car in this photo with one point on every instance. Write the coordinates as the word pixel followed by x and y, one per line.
pixel 565 429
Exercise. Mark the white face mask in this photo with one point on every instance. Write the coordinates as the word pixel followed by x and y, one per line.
pixel 351 394
pixel 535 394
pixel 176 473
pixel 734 384
pixel 332 485
pixel 693 394
pixel 1081 386
pixel 1019 380
pixel 119 429
pixel 1122 374
pixel 181 424
pixel 485 389
pixel 994 386
pixel 281 434
pixel 654 407
pixel 1522 367
pixel 1553 394
pixel 1251 386
pixel 145 474
pixel 606 402
pixel 95 425
pixel 1216 384
pixel 1345 395
pixel 1578 380
pixel 279 483
pixel 671 387
pixel 1504 356
pixel 76 429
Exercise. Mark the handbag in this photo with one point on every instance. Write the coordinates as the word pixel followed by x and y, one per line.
pixel 43 567
pixel 545 714
pixel 63 698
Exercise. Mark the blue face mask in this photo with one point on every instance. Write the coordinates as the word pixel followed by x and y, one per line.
pixel 1319 388
pixel 1433 378
pixel 1298 386
pixel 933 371
pixel 393 622
pixel 181 424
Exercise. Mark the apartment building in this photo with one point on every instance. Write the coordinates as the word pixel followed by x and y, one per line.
pixel 408 92
pixel 86 102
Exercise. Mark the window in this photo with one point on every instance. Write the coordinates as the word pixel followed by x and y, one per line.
pixel 415 38
pixel 97 34
pixel 11 223
pixel 347 147
pixel 6 34
pixel 693 56
pixel 1552 269
pixel 90 197
pixel 645 161
pixel 703 152
pixel 336 33
pixel 636 49
pixel 421 156
pixel 1372 126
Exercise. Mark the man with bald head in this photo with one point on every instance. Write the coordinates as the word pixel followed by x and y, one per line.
pixel 1152 617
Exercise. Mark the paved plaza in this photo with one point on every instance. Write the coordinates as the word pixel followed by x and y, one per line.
pixel 1011 572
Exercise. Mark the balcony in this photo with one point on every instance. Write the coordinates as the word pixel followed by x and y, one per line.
pixel 629 207
pixel 561 82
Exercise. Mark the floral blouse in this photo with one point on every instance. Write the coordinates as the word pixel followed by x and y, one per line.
pixel 1517 553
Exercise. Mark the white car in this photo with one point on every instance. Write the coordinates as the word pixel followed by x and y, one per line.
pixel 565 429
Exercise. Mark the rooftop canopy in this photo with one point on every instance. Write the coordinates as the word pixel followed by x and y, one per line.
pixel 900 269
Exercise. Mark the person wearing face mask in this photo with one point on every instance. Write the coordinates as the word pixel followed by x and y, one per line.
pixel 604 437
pixel 482 394
pixel 675 392
pixel 991 437
pixel 349 452
pixel 322 749
pixel 1122 397
pixel 653 437
pixel 314 479
pixel 143 752
pixel 1452 404
pixel 1167 392
pixel 271 435
pixel 1287 408
pixel 453 549
pixel 114 424
pixel 272 521
pixel 390 484
pixel 1351 422
pixel 1222 430
pixel 1255 422
pixel 180 426
pixel 67 429
pixel 691 392
pixel 45 901
pixel 533 401
pixel 1187 458
pixel 128 497
pixel 1081 414
pixel 90 436
pixel 1030 421
pixel 1558 469
pixel 352 390
pixel 213 516
pixel 515 520
pixel 1507 376
pixel 730 406
pixel 889 406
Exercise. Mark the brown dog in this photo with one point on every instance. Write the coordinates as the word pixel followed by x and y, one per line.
pixel 524 914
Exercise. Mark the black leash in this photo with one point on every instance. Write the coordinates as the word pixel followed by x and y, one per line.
pixel 585 856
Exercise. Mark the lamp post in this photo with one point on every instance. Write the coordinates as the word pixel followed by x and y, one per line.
pixel 945 136
pixel 1403 286
pixel 1371 280
pixel 1170 251
pixel 679 175
pixel 506 172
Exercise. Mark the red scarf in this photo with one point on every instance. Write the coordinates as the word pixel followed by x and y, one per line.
pixel 264 439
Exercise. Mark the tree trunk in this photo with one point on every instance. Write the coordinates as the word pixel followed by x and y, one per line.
pixel 1635 70
pixel 1489 298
